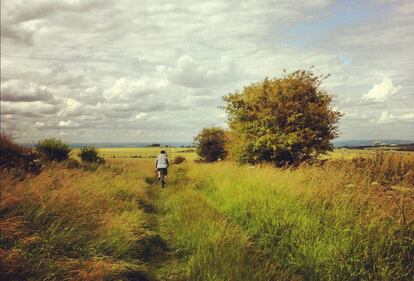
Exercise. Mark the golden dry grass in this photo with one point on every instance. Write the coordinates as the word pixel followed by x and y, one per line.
pixel 70 224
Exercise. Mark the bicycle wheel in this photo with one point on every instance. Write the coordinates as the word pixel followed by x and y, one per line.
pixel 162 181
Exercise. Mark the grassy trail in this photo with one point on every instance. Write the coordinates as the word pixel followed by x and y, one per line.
pixel 277 224
pixel 165 263
pixel 205 244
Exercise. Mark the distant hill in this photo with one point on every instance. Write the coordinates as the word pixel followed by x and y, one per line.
pixel 358 143
pixel 405 145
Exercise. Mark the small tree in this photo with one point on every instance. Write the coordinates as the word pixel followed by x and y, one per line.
pixel 89 154
pixel 53 149
pixel 211 144
pixel 282 120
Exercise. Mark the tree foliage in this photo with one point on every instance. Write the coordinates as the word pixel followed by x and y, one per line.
pixel 53 149
pixel 89 154
pixel 281 120
pixel 211 144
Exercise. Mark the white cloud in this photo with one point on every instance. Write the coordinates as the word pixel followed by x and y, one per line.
pixel 40 124
pixel 21 21
pixel 408 116
pixel 71 107
pixel 101 66
pixel 25 109
pixel 23 91
pixel 189 73
pixel 65 123
pixel 387 117
pixel 140 116
pixel 382 91
pixel 126 89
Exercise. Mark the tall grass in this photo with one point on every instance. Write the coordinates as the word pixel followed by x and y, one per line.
pixel 344 220
pixel 213 247
pixel 334 222
pixel 69 224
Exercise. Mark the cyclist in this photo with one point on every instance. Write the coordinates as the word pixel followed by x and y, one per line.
pixel 162 164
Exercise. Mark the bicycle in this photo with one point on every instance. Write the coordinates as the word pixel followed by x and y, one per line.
pixel 162 178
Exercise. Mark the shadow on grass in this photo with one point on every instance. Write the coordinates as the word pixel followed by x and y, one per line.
pixel 151 180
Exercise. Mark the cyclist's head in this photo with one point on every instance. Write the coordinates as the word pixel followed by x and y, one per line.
pixel 162 151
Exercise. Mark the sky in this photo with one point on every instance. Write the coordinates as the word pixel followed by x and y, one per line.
pixel 155 71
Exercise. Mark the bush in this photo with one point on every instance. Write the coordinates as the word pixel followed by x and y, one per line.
pixel 179 159
pixel 72 164
pixel 89 154
pixel 283 121
pixel 10 153
pixel 154 145
pixel 17 159
pixel 53 149
pixel 211 144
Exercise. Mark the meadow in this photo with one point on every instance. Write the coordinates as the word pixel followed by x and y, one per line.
pixel 351 218
pixel 146 152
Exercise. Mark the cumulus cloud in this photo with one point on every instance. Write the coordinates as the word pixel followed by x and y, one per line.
pixel 387 117
pixel 126 88
pixel 189 73
pixel 140 116
pixel 115 68
pixel 39 124
pixel 18 90
pixel 20 21
pixel 32 109
pixel 382 91
pixel 65 123
pixel 407 116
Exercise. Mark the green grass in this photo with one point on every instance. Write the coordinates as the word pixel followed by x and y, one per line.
pixel 344 220
pixel 211 246
pixel 320 222
pixel 142 152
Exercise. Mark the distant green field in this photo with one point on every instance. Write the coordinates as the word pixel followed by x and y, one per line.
pixel 190 154
pixel 143 152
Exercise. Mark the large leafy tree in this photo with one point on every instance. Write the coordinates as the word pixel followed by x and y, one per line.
pixel 282 120
pixel 211 144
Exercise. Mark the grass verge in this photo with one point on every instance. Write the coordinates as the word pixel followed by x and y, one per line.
pixel 71 224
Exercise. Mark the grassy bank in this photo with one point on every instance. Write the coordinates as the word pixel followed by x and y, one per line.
pixel 71 224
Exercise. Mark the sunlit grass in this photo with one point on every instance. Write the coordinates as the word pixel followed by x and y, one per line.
pixel 142 152
pixel 69 224
pixel 331 222
pixel 351 218
pixel 346 153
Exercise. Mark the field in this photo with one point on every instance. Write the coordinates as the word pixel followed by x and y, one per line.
pixel 143 152
pixel 344 220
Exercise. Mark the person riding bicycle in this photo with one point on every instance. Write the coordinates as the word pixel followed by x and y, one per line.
pixel 162 164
